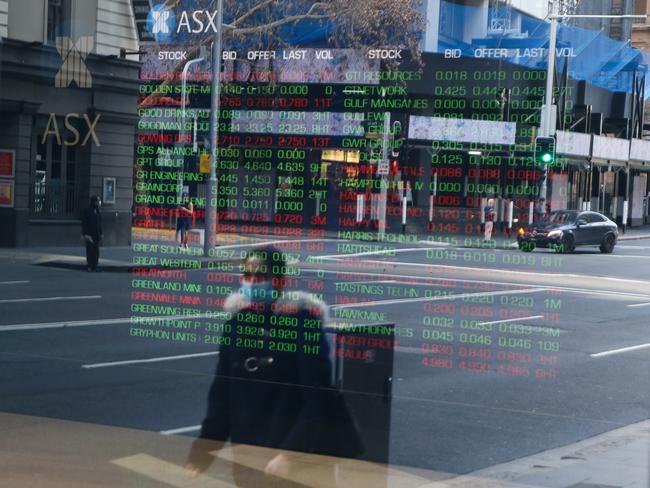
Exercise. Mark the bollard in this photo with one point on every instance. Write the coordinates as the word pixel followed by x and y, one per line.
pixel 501 213
pixel 360 209
pixel 404 204
pixel 482 213
pixel 511 211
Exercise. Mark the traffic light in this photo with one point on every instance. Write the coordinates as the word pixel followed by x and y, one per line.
pixel 544 150
pixel 395 159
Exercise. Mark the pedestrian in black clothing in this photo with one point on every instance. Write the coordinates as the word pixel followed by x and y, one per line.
pixel 184 220
pixel 273 384
pixel 91 232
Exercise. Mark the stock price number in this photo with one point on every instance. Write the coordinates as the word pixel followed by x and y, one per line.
pixel 286 334
pixel 250 330
pixel 217 340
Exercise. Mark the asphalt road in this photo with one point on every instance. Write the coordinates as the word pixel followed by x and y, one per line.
pixel 472 387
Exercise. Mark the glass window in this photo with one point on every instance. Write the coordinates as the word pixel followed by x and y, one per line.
pixel 352 272
pixel 562 217
pixel 58 19
pixel 586 217
pixel 594 217
pixel 55 188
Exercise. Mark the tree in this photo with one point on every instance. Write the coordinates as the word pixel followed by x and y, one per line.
pixel 379 23
pixel 268 24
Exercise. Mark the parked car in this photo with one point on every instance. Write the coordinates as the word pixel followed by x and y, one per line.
pixel 564 230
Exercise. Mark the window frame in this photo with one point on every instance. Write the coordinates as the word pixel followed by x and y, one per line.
pixel 69 155
pixel 64 22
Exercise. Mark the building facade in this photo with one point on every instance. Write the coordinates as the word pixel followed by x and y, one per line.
pixel 641 28
pixel 68 100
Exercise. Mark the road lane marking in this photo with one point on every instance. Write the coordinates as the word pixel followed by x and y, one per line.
pixel 532 317
pixel 640 305
pixel 58 325
pixel 181 430
pixel 432 279
pixel 367 281
pixel 20 282
pixel 50 299
pixel 428 281
pixel 272 243
pixel 620 351
pixel 88 323
pixel 148 360
pixel 626 256
pixel 166 473
pixel 436 243
pixel 435 298
pixel 372 253
pixel 431 267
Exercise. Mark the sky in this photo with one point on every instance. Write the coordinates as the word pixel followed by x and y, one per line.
pixel 538 8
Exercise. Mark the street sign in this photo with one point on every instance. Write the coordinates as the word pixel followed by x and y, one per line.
pixel 382 168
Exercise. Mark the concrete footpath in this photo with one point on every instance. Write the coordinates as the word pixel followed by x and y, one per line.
pixel 120 259
pixel 615 459
pixel 50 453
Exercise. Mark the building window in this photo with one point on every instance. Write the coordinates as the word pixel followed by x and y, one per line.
pixel 640 8
pixel 56 189
pixel 58 19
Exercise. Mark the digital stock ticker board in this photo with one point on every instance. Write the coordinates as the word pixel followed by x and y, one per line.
pixel 302 163
pixel 267 243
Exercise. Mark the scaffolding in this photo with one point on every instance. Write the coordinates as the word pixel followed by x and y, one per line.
pixel 567 7
pixel 500 23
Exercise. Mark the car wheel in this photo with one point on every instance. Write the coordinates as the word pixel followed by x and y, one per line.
pixel 607 246
pixel 527 246
pixel 568 244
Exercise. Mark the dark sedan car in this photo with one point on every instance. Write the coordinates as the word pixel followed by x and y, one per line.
pixel 564 230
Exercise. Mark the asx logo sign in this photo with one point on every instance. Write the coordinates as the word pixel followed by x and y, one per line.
pixel 74 62
pixel 71 122
pixel 163 23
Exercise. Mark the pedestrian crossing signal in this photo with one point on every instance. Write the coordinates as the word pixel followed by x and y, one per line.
pixel 544 150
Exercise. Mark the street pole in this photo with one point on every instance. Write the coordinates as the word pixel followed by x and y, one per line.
pixel 626 203
pixel 383 196
pixel 209 239
pixel 548 121
pixel 182 142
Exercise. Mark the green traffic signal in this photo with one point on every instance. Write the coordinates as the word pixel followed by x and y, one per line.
pixel 544 150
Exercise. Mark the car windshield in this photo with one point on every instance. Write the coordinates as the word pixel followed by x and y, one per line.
pixel 301 243
pixel 561 217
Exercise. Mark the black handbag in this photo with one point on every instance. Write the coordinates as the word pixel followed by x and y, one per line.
pixel 336 433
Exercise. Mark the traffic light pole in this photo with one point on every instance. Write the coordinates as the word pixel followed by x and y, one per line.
pixel 548 122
